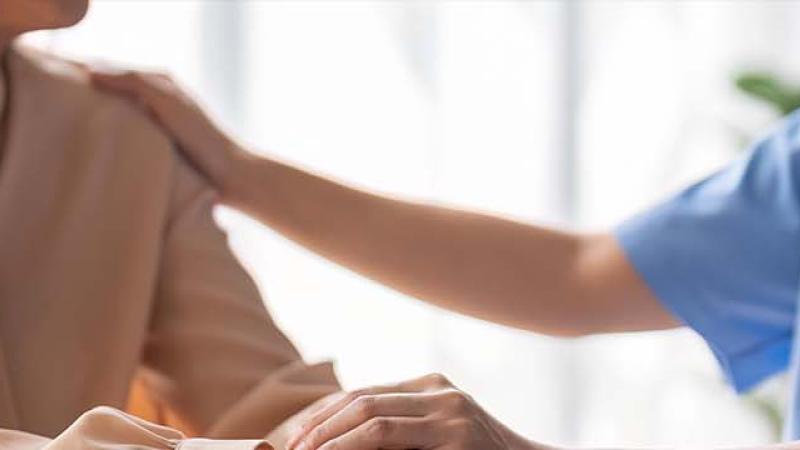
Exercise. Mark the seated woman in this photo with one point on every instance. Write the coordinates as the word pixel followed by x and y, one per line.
pixel 111 267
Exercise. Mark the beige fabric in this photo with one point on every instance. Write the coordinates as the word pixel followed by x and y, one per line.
pixel 107 428
pixel 111 265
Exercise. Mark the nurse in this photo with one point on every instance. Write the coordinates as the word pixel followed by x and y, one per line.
pixel 722 257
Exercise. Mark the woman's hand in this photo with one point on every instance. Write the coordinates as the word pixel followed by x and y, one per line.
pixel 200 138
pixel 425 413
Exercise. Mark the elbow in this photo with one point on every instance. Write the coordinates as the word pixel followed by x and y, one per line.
pixel 570 329
pixel 564 318
pixel 573 334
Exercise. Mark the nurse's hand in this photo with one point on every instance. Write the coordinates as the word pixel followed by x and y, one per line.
pixel 212 150
pixel 425 413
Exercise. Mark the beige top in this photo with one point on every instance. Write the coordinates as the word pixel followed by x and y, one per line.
pixel 111 266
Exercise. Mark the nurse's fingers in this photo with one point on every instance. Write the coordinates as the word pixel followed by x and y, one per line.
pixel 150 89
pixel 200 138
pixel 334 407
pixel 386 433
pixel 163 99
pixel 427 383
pixel 363 410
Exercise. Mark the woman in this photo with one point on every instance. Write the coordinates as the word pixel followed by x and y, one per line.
pixel 721 257
pixel 113 270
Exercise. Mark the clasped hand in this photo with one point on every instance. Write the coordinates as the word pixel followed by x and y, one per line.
pixel 424 413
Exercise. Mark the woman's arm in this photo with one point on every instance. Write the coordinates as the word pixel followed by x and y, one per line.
pixel 530 277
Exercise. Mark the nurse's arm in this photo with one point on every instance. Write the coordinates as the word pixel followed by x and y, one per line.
pixel 531 277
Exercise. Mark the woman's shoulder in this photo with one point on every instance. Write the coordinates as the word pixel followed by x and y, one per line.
pixel 59 86
pixel 101 132
pixel 57 91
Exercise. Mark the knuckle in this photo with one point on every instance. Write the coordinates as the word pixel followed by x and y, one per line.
pixel 358 393
pixel 457 401
pixel 379 427
pixel 351 397
pixel 438 380
pixel 136 80
pixel 129 74
pixel 366 406
pixel 314 437
pixel 137 76
pixel 128 79
pixel 144 80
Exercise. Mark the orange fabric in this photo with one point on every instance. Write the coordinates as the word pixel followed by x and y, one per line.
pixel 112 267
pixel 143 404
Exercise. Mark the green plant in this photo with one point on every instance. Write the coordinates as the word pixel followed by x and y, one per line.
pixel 781 96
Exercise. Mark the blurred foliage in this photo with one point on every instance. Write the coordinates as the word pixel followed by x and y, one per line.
pixel 781 96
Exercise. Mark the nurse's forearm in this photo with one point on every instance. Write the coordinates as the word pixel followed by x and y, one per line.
pixel 530 277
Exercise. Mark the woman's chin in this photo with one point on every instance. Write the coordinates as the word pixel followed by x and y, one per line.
pixel 73 11
pixel 21 16
pixel 65 13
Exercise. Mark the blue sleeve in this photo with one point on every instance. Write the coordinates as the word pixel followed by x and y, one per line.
pixel 724 256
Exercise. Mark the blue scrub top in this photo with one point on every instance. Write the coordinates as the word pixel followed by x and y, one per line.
pixel 724 257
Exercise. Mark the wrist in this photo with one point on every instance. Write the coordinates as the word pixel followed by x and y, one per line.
pixel 229 173
pixel 235 180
